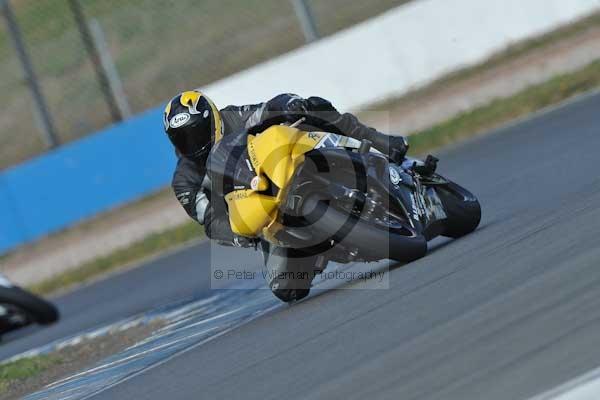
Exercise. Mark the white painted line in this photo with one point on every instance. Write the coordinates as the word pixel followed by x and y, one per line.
pixel 584 387
pixel 172 356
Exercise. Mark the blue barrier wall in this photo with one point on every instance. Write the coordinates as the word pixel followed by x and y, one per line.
pixel 81 179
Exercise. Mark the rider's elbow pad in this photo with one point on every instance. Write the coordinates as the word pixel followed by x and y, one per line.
pixel 202 204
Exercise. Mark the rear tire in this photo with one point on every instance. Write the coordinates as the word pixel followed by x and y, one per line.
pixel 462 208
pixel 38 309
pixel 371 240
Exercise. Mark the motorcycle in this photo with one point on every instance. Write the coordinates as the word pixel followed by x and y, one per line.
pixel 336 197
pixel 19 308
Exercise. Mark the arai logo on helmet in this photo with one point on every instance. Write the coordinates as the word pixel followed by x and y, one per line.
pixel 394 176
pixel 179 120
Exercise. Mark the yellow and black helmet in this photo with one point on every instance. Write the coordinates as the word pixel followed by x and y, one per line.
pixel 193 124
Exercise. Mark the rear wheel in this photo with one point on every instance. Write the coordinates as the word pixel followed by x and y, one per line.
pixel 462 208
pixel 392 238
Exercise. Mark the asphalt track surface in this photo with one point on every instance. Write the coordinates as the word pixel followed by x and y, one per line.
pixel 505 313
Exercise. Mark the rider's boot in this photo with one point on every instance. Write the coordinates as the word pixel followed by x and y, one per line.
pixel 289 273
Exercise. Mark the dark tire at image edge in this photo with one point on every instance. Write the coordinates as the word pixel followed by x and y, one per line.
pixel 38 309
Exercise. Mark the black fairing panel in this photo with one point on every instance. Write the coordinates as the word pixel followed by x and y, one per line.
pixel 328 169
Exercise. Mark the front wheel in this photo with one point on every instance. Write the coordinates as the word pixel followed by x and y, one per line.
pixel 462 209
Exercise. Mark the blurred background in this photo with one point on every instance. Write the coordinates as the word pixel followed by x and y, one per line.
pixel 96 62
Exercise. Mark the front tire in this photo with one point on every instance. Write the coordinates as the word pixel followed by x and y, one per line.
pixel 462 208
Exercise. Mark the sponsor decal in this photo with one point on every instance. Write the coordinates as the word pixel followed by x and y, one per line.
pixel 254 183
pixel 415 210
pixel 394 176
pixel 322 139
pixel 179 120
pixel 238 195
pixel 437 207
pixel 184 198
pixel 252 154
pixel 314 136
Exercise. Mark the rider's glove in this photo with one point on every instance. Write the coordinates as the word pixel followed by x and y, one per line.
pixel 395 147
pixel 296 106
pixel 319 104
pixel 322 113
pixel 281 109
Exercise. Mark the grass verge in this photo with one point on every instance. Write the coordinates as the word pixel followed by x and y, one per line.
pixel 503 110
pixel 463 126
pixel 16 371
pixel 27 375
pixel 152 245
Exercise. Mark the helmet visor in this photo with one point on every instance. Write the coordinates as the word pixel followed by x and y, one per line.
pixel 193 140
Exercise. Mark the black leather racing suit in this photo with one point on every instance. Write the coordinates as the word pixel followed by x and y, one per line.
pixel 196 197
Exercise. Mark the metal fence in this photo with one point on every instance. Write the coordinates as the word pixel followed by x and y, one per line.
pixel 97 61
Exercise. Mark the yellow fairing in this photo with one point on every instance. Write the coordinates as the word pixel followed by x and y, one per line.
pixel 249 211
pixel 276 153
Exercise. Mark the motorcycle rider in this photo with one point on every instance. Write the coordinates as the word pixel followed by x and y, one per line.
pixel 193 124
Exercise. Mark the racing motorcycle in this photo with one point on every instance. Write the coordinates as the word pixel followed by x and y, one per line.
pixel 19 308
pixel 336 197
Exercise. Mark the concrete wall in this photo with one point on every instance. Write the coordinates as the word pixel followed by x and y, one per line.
pixel 405 48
